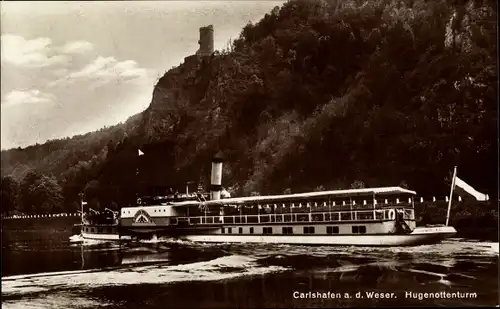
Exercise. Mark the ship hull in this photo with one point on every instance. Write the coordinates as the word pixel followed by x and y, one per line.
pixel 420 236
pixel 105 237
pixel 104 232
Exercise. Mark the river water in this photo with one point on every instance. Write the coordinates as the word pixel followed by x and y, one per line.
pixel 41 268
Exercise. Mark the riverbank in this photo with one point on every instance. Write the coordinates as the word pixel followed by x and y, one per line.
pixel 471 219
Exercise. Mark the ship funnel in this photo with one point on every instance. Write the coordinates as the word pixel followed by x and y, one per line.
pixel 216 177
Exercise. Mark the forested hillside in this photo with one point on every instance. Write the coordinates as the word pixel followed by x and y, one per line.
pixel 318 94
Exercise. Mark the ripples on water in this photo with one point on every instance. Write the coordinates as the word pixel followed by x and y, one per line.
pixel 176 274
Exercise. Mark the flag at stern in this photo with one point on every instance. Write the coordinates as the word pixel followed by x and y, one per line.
pixel 465 187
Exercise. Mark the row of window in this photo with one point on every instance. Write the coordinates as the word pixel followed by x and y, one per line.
pixel 290 207
pixel 357 229
pixel 133 211
pixel 98 230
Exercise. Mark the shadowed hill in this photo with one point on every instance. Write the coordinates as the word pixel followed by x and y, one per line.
pixel 316 94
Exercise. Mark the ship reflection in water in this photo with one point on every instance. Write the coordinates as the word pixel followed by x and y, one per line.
pixel 100 255
pixel 180 274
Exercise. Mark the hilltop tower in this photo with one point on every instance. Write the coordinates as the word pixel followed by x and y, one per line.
pixel 206 41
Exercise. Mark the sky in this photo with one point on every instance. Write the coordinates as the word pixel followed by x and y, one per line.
pixel 69 68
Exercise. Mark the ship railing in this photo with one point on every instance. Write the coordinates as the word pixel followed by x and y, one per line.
pixel 99 224
pixel 338 216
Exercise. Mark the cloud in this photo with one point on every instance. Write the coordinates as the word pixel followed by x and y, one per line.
pixel 32 96
pixel 109 67
pixel 53 90
pixel 36 53
pixel 64 64
pixel 77 47
pixel 104 70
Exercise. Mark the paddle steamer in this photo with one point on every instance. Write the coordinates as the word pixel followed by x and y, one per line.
pixel 367 217
pixel 372 216
pixel 383 216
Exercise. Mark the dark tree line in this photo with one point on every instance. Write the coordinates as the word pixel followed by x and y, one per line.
pixel 35 194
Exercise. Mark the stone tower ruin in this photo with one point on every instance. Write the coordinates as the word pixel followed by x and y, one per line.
pixel 206 41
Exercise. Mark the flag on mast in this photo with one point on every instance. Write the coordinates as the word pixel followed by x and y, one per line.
pixel 470 190
pixel 140 152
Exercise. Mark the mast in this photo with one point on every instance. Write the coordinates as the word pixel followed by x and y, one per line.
pixel 138 174
pixel 81 205
pixel 451 195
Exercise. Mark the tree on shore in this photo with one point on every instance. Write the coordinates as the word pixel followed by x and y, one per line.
pixel 40 194
pixel 10 194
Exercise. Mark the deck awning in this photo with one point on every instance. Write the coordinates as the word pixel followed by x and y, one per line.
pixel 367 192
